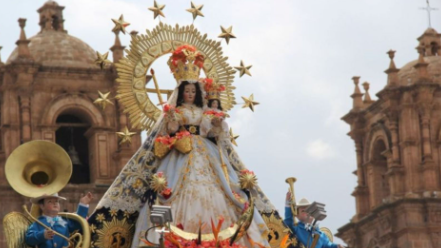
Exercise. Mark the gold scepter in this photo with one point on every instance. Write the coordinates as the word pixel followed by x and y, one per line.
pixel 224 166
pixel 291 181
pixel 156 87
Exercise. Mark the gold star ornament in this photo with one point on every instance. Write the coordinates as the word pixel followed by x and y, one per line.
pixel 157 10
pixel 249 102
pixel 227 34
pixel 101 59
pixel 196 10
pixel 243 69
pixel 125 135
pixel 103 100
pixel 233 137
pixel 120 25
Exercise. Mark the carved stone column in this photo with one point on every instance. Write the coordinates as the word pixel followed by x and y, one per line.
pixel 395 170
pixel 25 118
pixel 361 192
pixel 430 177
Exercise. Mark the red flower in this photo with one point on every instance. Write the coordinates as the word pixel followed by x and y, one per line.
pixel 170 109
pixel 179 55
pixel 214 113
pixel 246 172
pixel 182 134
pixel 173 241
pixel 180 226
pixel 246 205
pixel 166 193
pixel 166 140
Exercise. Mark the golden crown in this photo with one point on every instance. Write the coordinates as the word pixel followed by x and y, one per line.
pixel 185 63
pixel 213 89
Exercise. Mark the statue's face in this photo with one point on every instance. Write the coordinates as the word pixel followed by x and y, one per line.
pixel 189 93
pixel 50 206
pixel 215 105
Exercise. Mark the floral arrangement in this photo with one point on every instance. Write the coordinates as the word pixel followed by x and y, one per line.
pixel 163 144
pixel 166 140
pixel 209 85
pixel 212 89
pixel 174 241
pixel 182 134
pixel 186 53
pixel 183 142
pixel 166 193
pixel 170 108
pixel 247 179
pixel 170 111
pixel 214 113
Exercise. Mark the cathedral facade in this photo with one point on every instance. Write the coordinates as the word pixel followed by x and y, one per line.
pixel 398 150
pixel 48 86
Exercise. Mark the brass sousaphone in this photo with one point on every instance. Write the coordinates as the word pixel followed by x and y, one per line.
pixel 35 168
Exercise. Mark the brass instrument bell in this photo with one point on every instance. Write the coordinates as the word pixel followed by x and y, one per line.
pixel 291 181
pixel 38 167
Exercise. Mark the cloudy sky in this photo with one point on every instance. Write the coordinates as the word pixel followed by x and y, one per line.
pixel 303 53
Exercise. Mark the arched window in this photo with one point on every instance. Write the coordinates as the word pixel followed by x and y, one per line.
pixel 70 136
pixel 55 22
pixel 382 189
pixel 434 48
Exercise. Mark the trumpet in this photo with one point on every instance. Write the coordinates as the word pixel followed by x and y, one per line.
pixel 290 181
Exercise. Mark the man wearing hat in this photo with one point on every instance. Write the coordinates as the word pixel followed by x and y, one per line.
pixel 302 230
pixel 38 235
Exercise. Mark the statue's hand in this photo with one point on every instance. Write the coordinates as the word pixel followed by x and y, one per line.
pixel 216 122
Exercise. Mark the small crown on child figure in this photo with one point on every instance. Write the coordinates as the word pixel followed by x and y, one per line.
pixel 213 89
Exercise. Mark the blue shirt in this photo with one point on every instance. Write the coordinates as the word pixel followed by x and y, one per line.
pixel 35 233
pixel 303 234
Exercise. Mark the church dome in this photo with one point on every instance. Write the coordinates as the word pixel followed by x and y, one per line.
pixel 408 74
pixel 58 49
pixel 430 47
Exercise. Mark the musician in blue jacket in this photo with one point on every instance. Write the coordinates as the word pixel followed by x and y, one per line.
pixel 38 235
pixel 303 229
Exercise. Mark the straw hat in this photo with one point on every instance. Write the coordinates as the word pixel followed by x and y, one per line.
pixel 303 203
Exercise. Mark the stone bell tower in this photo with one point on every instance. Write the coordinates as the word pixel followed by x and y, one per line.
pixel 398 150
pixel 48 87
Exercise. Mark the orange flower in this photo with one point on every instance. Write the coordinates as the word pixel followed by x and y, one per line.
pixel 146 242
pixel 170 108
pixel 179 55
pixel 182 134
pixel 214 113
pixel 166 140
pixel 173 241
